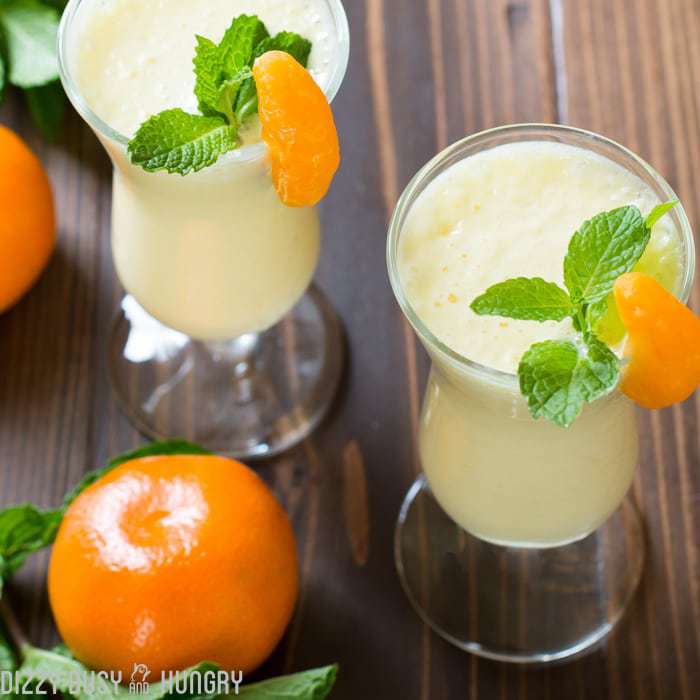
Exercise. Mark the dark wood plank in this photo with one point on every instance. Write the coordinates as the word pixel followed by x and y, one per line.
pixel 634 76
pixel 422 74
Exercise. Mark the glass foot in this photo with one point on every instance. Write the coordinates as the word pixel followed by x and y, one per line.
pixel 255 396
pixel 513 604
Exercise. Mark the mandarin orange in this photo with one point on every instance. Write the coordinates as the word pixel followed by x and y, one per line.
pixel 27 220
pixel 663 342
pixel 298 128
pixel 172 560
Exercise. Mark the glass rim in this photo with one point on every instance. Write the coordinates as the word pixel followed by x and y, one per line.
pixel 405 202
pixel 80 104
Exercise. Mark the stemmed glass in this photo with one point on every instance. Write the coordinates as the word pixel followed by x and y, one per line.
pixel 474 546
pixel 220 339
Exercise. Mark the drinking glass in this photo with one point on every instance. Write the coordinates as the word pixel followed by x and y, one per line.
pixel 519 542
pixel 221 338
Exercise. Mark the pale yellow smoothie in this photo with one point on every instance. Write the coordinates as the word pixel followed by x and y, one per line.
pixel 213 254
pixel 507 212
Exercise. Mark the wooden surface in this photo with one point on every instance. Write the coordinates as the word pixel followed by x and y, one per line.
pixel 422 74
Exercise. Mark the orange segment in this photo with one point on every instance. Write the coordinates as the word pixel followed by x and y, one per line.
pixel 298 128
pixel 168 561
pixel 663 343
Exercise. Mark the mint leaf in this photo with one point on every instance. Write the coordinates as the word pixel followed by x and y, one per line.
pixel 24 529
pixel 658 211
pixel 3 75
pixel 180 142
pixel 166 447
pixel 49 668
pixel 315 684
pixel 239 43
pixel 289 42
pixel 605 247
pixel 46 105
pixel 228 92
pixel 558 377
pixel 596 312
pixel 30 36
pixel 525 299
pixel 209 74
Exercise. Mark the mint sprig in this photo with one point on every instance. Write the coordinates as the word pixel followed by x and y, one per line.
pixel 179 142
pixel 28 60
pixel 558 377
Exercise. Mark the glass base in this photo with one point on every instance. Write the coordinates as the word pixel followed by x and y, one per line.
pixel 254 396
pixel 515 604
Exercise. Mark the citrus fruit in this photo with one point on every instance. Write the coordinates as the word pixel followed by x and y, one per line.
pixel 27 221
pixel 663 342
pixel 298 128
pixel 172 560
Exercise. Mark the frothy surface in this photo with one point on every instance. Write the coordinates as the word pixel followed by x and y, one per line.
pixel 133 58
pixel 508 212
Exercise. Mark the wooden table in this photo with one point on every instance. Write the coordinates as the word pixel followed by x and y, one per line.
pixel 422 73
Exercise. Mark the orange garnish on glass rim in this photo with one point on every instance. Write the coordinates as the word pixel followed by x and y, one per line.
pixel 663 342
pixel 298 128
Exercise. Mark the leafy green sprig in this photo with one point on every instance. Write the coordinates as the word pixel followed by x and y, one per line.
pixel 26 529
pixel 557 377
pixel 179 142
pixel 28 60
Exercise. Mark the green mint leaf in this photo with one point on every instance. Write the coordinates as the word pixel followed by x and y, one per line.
pixel 605 247
pixel 658 211
pixel 239 43
pixel 209 74
pixel 596 312
pixel 180 142
pixel 30 36
pixel 315 684
pixel 166 447
pixel 60 5
pixel 289 42
pixel 221 69
pixel 525 299
pixel 47 104
pixel 228 92
pixel 558 377
pixel 54 669
pixel 25 529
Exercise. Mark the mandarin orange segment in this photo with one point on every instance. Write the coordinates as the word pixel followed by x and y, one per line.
pixel 168 561
pixel 298 128
pixel 663 342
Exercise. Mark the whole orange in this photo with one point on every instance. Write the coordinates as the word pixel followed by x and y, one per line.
pixel 27 220
pixel 169 561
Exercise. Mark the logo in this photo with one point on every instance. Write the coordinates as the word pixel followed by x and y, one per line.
pixel 207 682
pixel 138 682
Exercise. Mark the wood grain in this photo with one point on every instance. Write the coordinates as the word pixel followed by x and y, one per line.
pixel 422 74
